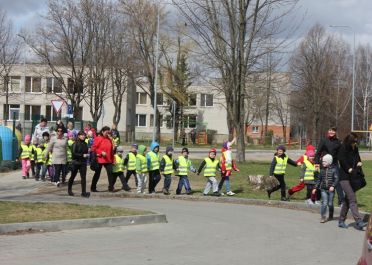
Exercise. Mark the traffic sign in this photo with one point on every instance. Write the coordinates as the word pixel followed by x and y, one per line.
pixel 57 105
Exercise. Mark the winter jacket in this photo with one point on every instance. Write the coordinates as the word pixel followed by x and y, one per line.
pixel 327 178
pixel 328 146
pixel 348 158
pixel 79 148
pixel 103 144
pixel 58 148
pixel 273 163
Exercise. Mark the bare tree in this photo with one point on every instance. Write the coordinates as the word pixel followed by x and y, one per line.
pixel 229 34
pixel 64 43
pixel 9 54
pixel 315 73
pixel 143 34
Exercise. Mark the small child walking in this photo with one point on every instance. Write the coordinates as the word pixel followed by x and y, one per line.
pixel 184 165
pixel 227 164
pixel 326 182
pixel 277 169
pixel 210 165
pixel 39 159
pixel 141 168
pixel 308 176
pixel 118 169
pixel 25 153
pixel 166 168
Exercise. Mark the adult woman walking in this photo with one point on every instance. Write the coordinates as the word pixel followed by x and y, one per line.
pixel 350 164
pixel 79 163
pixel 58 148
pixel 104 152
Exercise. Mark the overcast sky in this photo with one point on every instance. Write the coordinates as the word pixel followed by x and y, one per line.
pixel 353 13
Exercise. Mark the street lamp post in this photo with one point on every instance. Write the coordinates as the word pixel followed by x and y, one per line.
pixel 353 88
pixel 156 75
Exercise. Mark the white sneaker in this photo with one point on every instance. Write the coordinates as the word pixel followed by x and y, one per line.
pixel 58 183
pixel 309 201
pixel 222 194
pixel 317 202
pixel 230 193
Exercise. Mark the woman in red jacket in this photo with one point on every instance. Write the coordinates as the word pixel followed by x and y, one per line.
pixel 104 151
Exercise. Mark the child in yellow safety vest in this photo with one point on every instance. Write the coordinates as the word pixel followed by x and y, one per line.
pixel 141 168
pixel 39 160
pixel 277 169
pixel 47 166
pixel 32 157
pixel 130 164
pixel 166 168
pixel 184 165
pixel 118 168
pixel 308 176
pixel 25 153
pixel 210 165
pixel 70 142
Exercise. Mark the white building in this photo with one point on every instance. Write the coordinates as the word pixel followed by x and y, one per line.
pixel 32 88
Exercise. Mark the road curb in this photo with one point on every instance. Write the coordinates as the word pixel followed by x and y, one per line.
pixel 52 226
pixel 233 200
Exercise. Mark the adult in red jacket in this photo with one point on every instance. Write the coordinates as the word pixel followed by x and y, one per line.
pixel 104 151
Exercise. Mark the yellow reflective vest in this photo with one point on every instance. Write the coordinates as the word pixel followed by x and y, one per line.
pixel 309 171
pixel 183 166
pixel 210 167
pixel 281 165
pixel 155 163
pixel 118 167
pixel 26 151
pixel 131 161
pixel 168 168
pixel 142 164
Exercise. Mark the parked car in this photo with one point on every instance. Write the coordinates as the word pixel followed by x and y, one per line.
pixel 366 258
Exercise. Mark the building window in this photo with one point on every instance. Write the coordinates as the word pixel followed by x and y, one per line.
pixel 33 84
pixel 32 112
pixel 152 120
pixel 255 129
pixel 141 98
pixel 50 114
pixel 54 85
pixel 189 121
pixel 192 99
pixel 169 122
pixel 11 112
pixel 14 84
pixel 159 99
pixel 140 120
pixel 206 100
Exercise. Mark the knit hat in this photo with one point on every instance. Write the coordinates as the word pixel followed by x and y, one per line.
pixel 213 150
pixel 169 149
pixel 281 147
pixel 119 149
pixel 225 144
pixel 327 159
pixel 70 134
pixel 310 153
pixel 27 138
pixel 310 147
pixel 185 149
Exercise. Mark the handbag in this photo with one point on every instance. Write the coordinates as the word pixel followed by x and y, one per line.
pixel 94 163
pixel 357 179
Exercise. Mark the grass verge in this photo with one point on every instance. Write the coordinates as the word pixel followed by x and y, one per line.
pixel 19 212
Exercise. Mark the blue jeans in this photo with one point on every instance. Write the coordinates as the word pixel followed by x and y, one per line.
pixel 226 180
pixel 327 200
pixel 183 181
pixel 167 181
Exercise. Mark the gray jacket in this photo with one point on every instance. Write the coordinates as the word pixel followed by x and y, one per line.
pixel 58 148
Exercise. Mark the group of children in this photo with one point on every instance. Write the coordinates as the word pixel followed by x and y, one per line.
pixel 34 157
pixel 320 180
pixel 147 166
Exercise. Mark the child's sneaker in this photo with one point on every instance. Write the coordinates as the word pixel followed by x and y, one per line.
pixel 322 220
pixel 309 202
pixel 317 202
pixel 230 193
pixel 342 224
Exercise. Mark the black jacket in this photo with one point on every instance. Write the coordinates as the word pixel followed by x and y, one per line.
pixel 327 178
pixel 328 146
pixel 348 158
pixel 79 148
pixel 273 163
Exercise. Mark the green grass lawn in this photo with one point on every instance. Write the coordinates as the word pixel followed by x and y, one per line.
pixel 19 212
pixel 240 184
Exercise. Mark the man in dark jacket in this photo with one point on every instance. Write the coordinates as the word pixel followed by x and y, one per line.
pixel 330 145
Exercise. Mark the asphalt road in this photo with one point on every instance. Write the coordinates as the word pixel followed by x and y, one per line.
pixel 196 233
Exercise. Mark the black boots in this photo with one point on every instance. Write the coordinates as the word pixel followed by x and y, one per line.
pixel 85 194
pixel 70 192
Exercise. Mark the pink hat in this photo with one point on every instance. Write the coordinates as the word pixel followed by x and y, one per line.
pixel 310 153
pixel 27 138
